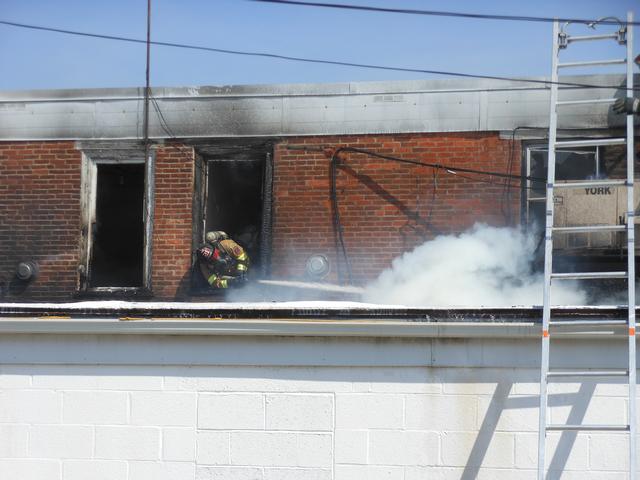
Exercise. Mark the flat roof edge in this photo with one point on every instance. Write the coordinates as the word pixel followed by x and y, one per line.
pixel 282 319
pixel 433 85
pixel 304 328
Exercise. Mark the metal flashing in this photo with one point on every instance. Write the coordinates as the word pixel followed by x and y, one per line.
pixel 305 328
pixel 294 110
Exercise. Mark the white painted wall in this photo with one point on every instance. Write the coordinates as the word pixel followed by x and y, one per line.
pixel 118 407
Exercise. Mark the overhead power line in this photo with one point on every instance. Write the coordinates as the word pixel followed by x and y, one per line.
pixel 309 60
pixel 477 16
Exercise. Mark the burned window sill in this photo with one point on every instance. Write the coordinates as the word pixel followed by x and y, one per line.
pixel 114 293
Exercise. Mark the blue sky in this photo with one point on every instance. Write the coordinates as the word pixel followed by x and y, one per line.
pixel 39 60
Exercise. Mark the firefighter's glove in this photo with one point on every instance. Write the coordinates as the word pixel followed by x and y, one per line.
pixel 236 282
pixel 223 263
pixel 627 105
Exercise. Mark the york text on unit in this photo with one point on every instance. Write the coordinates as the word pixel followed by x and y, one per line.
pixel 598 191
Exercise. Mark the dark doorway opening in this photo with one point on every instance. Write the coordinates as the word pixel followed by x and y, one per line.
pixel 117 250
pixel 235 202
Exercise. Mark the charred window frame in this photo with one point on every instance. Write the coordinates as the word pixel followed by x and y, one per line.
pixel 96 157
pixel 220 158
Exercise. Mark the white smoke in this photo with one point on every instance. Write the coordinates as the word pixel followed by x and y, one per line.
pixel 485 266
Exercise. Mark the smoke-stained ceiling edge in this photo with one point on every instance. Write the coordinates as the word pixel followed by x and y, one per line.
pixel 460 105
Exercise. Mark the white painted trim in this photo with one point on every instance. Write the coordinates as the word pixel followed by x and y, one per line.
pixel 322 328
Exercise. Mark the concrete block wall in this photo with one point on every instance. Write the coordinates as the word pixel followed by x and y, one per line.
pixel 138 422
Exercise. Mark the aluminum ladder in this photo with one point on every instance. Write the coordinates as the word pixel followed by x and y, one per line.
pixel 624 37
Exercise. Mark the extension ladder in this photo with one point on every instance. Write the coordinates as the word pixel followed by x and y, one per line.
pixel 560 42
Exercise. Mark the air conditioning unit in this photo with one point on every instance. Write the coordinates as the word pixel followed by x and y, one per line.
pixel 593 206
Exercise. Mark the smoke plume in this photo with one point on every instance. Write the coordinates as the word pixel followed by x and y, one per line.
pixel 486 266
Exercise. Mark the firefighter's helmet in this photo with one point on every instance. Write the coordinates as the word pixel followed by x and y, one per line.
pixel 215 236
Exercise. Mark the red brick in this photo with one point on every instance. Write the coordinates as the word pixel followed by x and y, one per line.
pixel 378 198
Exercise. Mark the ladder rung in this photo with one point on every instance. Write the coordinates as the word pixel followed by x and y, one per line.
pixel 591 228
pixel 591 143
pixel 591 183
pixel 583 38
pixel 588 373
pixel 587 275
pixel 590 63
pixel 610 428
pixel 585 334
pixel 586 102
pixel 586 323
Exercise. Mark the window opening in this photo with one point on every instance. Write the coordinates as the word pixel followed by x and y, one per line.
pixel 117 236
pixel 234 202
pixel 579 164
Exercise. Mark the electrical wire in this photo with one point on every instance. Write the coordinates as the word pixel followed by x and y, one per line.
pixel 435 166
pixel 505 202
pixel 313 60
pixel 440 166
pixel 147 87
pixel 163 121
pixel 476 16
pixel 433 195
pixel 489 182
pixel 337 224
pixel 165 126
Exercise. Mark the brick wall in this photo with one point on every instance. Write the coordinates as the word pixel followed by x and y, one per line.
pixel 40 216
pixel 173 222
pixel 386 207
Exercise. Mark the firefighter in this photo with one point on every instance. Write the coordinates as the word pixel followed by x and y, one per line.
pixel 223 262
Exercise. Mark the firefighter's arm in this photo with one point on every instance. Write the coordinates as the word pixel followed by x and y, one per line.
pixel 242 266
pixel 220 281
pixel 209 273
pixel 627 105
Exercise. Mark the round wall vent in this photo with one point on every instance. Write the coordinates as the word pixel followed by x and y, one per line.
pixel 26 270
pixel 317 267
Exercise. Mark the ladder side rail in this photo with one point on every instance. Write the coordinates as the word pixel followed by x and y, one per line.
pixel 631 258
pixel 548 252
